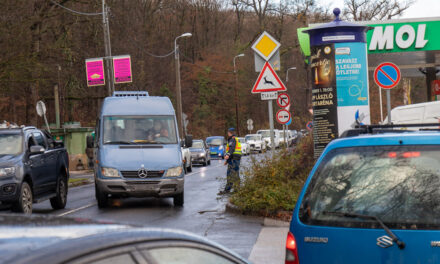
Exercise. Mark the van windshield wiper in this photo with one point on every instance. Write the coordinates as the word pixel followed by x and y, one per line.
pixel 120 143
pixel 399 242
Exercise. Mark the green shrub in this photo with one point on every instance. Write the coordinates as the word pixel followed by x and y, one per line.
pixel 272 184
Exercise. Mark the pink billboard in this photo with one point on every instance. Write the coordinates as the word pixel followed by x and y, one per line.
pixel 122 69
pixel 95 72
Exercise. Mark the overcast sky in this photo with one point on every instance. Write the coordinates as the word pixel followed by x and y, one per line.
pixel 422 8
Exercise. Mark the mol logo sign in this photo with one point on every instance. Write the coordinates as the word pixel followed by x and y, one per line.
pixel 400 37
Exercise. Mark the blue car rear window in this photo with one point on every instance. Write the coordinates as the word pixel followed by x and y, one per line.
pixel 398 184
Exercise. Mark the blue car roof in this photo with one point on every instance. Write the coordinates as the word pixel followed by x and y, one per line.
pixel 215 137
pixel 407 138
pixel 142 105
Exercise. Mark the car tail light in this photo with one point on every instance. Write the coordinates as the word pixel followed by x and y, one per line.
pixel 291 250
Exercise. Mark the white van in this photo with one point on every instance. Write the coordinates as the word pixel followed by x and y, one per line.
pixel 266 136
pixel 415 113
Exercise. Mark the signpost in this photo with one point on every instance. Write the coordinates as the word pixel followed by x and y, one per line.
pixel 122 69
pixel 309 126
pixel 95 72
pixel 387 76
pixel 250 125
pixel 268 81
pixel 41 111
pixel 283 100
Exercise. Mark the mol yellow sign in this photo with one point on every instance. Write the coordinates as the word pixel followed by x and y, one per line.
pixel 266 46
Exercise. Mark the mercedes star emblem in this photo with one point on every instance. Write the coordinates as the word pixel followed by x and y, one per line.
pixel 142 173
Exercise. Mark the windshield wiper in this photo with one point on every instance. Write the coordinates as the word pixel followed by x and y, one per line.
pixel 120 142
pixel 399 242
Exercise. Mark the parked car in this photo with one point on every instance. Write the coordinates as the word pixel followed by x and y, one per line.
pixel 295 136
pixel 137 149
pixel 288 139
pixel 266 136
pixel 245 149
pixel 46 239
pixel 217 146
pixel 255 142
pixel 200 153
pixel 372 197
pixel 33 168
pixel 415 113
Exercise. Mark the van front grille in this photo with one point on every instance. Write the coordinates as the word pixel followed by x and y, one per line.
pixel 135 174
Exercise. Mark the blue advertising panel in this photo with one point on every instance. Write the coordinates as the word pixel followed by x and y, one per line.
pixel 351 74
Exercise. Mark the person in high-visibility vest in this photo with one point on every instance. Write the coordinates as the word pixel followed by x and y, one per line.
pixel 232 157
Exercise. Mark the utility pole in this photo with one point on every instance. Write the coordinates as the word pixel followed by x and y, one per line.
pixel 108 49
pixel 236 94
pixel 178 87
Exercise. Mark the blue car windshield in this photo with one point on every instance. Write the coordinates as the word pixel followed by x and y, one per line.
pixel 139 130
pixel 398 184
pixel 197 145
pixel 214 141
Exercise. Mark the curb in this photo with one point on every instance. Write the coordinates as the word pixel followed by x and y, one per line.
pixel 270 222
pixel 79 183
pixel 231 208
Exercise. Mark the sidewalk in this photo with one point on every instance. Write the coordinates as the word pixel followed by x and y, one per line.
pixel 78 178
pixel 271 243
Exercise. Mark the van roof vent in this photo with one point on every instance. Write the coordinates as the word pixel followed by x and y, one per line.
pixel 129 93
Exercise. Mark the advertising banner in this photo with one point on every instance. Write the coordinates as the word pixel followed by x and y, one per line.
pixel 95 72
pixel 352 85
pixel 324 96
pixel 122 69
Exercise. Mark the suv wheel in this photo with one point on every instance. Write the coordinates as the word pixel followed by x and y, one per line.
pixel 178 199
pixel 25 200
pixel 101 197
pixel 59 201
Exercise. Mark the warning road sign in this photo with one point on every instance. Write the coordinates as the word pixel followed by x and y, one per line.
pixel 283 100
pixel 283 116
pixel 268 81
pixel 387 75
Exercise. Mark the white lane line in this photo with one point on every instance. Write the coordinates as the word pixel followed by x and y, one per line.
pixel 77 209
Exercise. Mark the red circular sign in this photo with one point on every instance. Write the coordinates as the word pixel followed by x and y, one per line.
pixel 283 100
pixel 387 75
pixel 283 116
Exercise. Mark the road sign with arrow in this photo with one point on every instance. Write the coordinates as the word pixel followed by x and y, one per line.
pixel 283 100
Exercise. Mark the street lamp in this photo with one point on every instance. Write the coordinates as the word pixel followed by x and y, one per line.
pixel 178 88
pixel 287 73
pixel 236 94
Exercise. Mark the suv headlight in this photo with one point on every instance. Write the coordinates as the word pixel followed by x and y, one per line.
pixel 7 171
pixel 174 172
pixel 109 172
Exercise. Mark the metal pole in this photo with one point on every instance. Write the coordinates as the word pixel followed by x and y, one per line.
pixel 389 105
pixel 57 105
pixel 178 89
pixel 380 102
pixel 272 140
pixel 284 133
pixel 108 49
pixel 236 99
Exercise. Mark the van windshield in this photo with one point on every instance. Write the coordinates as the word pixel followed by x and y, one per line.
pixel 139 130
pixel 252 138
pixel 398 184
pixel 264 133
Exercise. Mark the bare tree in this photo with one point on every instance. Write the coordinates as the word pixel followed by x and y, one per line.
pixel 261 9
pixel 359 10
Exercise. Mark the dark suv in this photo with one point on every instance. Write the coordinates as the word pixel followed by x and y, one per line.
pixel 33 168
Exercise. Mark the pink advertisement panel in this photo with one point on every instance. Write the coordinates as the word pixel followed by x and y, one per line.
pixel 95 72
pixel 122 69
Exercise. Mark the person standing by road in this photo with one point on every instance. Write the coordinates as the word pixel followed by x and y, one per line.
pixel 232 157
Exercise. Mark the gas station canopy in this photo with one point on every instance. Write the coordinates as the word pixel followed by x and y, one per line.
pixel 412 44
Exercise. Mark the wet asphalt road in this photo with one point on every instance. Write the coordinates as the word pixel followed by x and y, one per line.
pixel 203 212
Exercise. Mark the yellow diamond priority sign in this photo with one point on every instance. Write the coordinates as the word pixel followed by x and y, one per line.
pixel 266 46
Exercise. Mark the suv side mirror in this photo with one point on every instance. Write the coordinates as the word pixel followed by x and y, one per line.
pixel 188 141
pixel 34 150
pixel 90 143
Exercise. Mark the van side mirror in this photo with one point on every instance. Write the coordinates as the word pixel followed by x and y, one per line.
pixel 34 150
pixel 188 141
pixel 90 141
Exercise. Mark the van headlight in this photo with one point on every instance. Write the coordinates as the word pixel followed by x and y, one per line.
pixel 174 172
pixel 109 172
pixel 7 171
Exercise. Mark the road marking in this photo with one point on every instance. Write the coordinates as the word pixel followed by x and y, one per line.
pixel 77 209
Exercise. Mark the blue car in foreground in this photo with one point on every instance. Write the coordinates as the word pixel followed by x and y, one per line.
pixel 216 146
pixel 370 198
